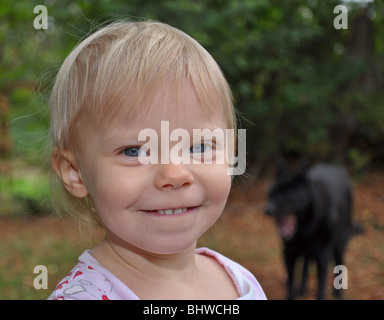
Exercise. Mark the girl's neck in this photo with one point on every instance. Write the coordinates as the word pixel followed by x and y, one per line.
pixel 131 264
pixel 182 275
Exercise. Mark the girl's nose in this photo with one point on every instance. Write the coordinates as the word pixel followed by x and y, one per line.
pixel 173 176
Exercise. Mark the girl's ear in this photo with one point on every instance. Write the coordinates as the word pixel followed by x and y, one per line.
pixel 65 165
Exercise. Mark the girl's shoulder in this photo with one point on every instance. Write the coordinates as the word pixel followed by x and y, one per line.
pixel 245 282
pixel 88 280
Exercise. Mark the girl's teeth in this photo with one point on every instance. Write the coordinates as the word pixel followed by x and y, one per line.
pixel 171 211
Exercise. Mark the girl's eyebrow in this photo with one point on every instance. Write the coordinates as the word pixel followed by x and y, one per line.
pixel 119 136
pixel 123 134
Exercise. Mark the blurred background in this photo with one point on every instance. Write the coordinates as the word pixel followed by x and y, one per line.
pixel 302 88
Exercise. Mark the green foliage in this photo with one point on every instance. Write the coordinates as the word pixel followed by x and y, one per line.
pixel 24 194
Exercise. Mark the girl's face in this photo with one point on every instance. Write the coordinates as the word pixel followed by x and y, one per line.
pixel 159 208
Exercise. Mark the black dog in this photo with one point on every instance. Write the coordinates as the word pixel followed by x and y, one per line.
pixel 312 209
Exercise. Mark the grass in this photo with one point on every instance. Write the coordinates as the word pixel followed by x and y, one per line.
pixel 24 191
pixel 36 241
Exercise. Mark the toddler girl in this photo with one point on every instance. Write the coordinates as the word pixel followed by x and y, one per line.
pixel 121 80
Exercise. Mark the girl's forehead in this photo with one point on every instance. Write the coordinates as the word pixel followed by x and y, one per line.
pixel 177 104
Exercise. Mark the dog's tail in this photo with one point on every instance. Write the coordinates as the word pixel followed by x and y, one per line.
pixel 355 229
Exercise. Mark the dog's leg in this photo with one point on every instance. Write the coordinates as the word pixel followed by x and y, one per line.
pixel 290 261
pixel 303 287
pixel 322 268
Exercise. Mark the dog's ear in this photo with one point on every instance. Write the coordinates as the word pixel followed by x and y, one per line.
pixel 281 167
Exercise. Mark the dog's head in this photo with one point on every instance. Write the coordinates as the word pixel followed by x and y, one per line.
pixel 288 199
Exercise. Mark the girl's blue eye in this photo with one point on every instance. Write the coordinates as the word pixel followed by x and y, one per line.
pixel 133 152
pixel 199 148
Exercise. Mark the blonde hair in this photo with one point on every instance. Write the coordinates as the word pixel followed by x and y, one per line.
pixel 133 58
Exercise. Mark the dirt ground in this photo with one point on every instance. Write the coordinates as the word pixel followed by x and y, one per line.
pixel 245 234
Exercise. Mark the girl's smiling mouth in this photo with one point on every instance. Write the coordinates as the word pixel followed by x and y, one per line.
pixel 169 212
